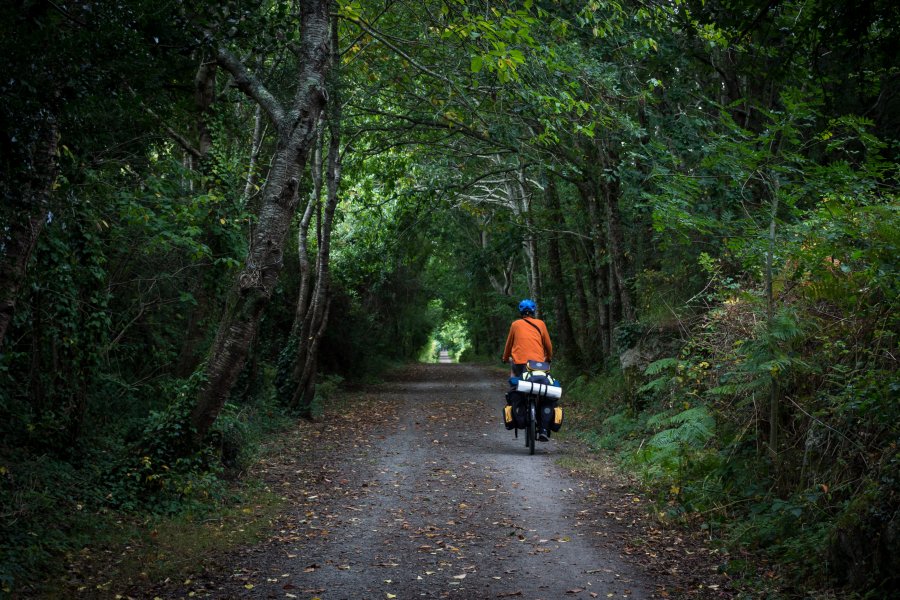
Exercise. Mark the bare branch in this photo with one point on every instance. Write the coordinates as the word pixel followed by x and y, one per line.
pixel 177 137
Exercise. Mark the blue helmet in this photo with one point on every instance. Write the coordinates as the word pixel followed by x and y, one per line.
pixel 527 306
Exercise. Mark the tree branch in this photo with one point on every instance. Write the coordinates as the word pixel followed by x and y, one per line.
pixel 383 39
pixel 250 85
pixel 177 137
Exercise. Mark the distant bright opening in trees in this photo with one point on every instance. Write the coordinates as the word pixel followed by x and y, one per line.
pixel 451 337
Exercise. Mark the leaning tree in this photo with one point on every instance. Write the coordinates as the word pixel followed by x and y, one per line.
pixel 295 125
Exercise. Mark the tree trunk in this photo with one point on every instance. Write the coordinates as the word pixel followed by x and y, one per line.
pixel 560 304
pixel 614 304
pixel 584 303
pixel 204 96
pixel 249 296
pixel 501 284
pixel 255 283
pixel 190 352
pixel 250 186
pixel 25 211
pixel 587 191
pixel 317 320
pixel 534 271
pixel 774 399
pixel 530 241
pixel 617 261
pixel 303 239
pixel 297 340
pixel 307 376
pixel 645 256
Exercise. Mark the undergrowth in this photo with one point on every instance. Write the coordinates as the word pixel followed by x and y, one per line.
pixel 143 494
pixel 811 484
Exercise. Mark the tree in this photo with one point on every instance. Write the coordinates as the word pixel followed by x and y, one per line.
pixel 295 129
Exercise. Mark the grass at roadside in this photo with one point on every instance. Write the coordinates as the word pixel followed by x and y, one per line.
pixel 127 552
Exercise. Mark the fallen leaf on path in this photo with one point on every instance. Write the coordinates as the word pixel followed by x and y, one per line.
pixel 463 576
pixel 575 591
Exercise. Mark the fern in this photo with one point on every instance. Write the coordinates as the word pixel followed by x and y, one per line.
pixel 740 387
pixel 785 326
pixel 840 290
pixel 658 420
pixel 667 439
pixel 656 385
pixel 660 365
pixel 766 359
pixel 695 427
pixel 695 414
pixel 668 452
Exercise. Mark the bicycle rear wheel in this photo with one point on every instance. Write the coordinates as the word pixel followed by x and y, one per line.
pixel 532 425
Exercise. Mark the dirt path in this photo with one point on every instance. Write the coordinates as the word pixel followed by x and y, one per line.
pixel 429 497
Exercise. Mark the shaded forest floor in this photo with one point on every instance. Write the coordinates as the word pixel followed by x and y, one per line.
pixel 412 488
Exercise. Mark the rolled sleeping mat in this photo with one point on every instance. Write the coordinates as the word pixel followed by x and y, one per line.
pixel 539 389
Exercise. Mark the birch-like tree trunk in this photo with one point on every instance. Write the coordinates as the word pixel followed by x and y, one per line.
pixel 522 200
pixel 295 130
pixel 314 201
pixel 316 319
pixel 256 140
pixel 501 284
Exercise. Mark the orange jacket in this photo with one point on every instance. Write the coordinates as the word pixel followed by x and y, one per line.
pixel 528 339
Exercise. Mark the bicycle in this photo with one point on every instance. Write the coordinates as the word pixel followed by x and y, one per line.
pixel 531 423
pixel 535 386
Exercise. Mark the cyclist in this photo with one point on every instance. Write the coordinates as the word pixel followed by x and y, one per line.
pixel 528 339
